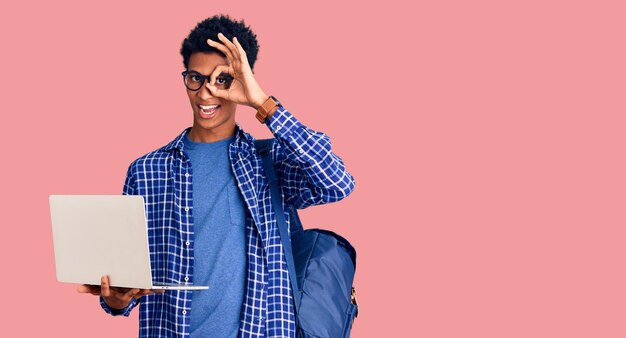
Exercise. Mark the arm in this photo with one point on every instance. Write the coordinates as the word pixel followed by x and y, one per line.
pixel 310 173
pixel 117 312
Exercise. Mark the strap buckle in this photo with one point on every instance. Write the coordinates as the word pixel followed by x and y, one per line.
pixel 353 301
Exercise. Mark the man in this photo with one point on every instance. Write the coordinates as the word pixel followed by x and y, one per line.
pixel 210 217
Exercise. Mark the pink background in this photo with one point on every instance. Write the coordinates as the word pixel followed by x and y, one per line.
pixel 486 139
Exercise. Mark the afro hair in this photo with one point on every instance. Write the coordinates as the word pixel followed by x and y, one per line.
pixel 196 41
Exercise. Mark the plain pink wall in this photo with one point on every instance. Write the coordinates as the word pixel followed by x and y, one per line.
pixel 486 139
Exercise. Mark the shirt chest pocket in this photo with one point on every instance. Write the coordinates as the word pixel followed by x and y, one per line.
pixel 236 205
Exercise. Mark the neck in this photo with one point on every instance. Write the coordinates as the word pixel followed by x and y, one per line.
pixel 198 134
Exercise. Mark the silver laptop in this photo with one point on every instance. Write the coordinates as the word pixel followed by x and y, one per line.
pixel 97 235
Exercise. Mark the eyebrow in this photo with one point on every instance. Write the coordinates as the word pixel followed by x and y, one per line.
pixel 195 71
pixel 209 76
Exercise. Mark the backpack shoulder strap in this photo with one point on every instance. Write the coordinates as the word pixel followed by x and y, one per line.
pixel 263 147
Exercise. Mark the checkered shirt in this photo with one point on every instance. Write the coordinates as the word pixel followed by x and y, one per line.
pixel 309 174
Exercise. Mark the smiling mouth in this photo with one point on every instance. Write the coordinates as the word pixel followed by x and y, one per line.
pixel 208 111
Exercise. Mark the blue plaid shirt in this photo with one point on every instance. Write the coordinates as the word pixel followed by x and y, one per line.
pixel 309 173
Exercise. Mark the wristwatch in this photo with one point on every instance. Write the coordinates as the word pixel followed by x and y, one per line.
pixel 269 106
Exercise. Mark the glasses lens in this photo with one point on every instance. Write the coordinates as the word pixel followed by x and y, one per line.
pixel 193 80
pixel 223 81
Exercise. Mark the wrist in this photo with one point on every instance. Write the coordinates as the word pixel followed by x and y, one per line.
pixel 267 109
pixel 118 306
pixel 258 102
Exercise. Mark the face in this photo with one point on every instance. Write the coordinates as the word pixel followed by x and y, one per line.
pixel 209 125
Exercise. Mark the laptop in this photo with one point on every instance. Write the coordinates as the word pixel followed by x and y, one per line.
pixel 97 235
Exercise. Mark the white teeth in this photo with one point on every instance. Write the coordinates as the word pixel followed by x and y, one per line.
pixel 209 107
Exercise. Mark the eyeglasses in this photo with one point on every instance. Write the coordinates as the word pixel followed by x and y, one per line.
pixel 194 80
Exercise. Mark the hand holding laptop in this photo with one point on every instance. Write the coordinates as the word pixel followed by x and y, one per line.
pixel 115 297
pixel 96 235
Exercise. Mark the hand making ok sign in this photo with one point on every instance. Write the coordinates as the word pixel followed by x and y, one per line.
pixel 244 89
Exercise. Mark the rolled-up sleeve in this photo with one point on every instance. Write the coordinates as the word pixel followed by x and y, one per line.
pixel 309 171
pixel 119 312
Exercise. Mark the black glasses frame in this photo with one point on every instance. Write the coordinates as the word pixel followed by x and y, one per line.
pixel 228 78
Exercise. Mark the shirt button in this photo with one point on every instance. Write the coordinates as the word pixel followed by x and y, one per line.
pixel 186 279
pixel 186 174
pixel 300 151
pixel 184 312
pixel 187 243
pixel 186 208
pixel 278 128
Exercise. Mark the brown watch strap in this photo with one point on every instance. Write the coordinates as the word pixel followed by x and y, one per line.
pixel 268 107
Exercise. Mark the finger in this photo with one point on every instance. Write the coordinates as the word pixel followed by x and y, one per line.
pixel 242 53
pixel 131 293
pixel 221 47
pixel 231 47
pixel 104 286
pixel 141 293
pixel 86 288
pixel 95 290
pixel 219 70
pixel 118 289
pixel 150 292
pixel 218 92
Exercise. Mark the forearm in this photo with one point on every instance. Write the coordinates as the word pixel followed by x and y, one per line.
pixel 308 153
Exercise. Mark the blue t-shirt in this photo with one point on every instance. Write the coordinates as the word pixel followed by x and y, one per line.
pixel 219 241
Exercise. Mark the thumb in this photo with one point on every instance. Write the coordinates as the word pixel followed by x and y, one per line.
pixel 132 293
pixel 221 93
pixel 104 286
